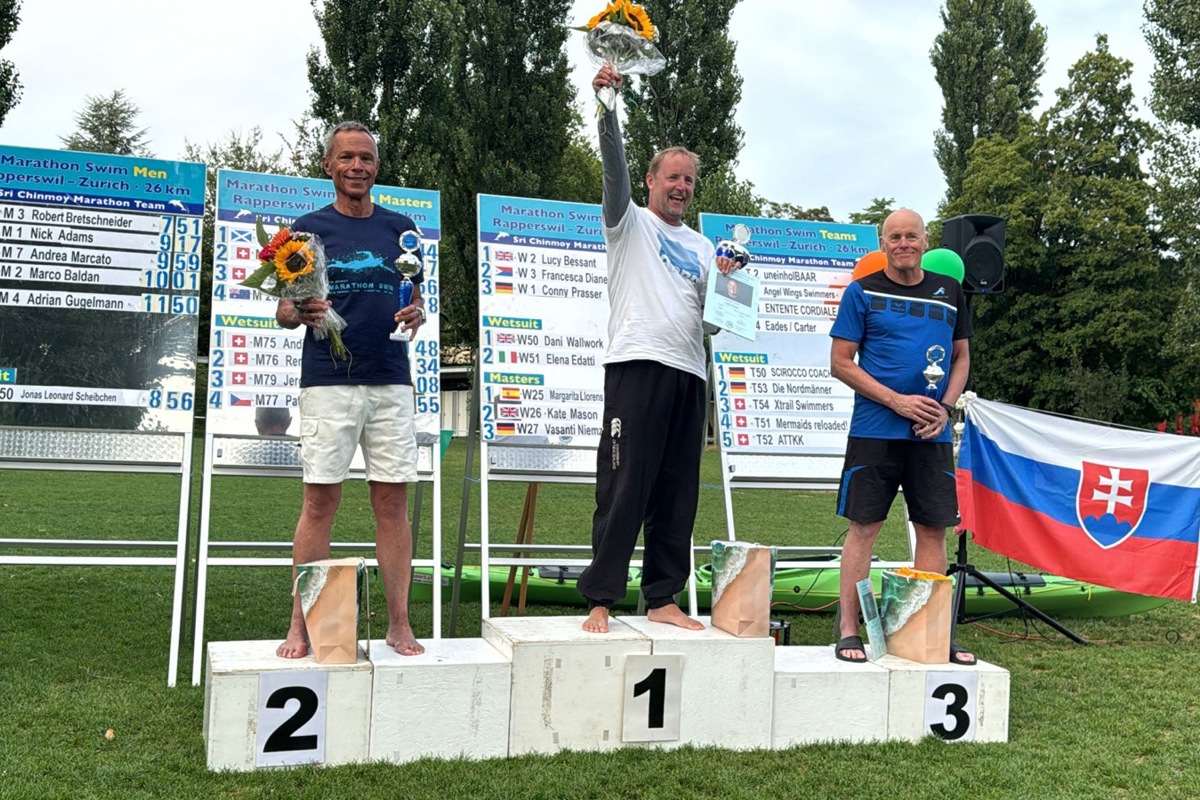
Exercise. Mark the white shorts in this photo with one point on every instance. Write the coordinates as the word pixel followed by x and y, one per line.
pixel 334 420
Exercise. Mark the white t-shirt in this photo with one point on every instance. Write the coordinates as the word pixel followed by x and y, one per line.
pixel 656 280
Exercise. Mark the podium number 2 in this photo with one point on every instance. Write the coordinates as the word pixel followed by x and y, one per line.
pixel 291 718
pixel 950 705
pixel 653 688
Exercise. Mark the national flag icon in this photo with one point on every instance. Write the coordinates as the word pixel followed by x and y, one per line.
pixel 510 411
pixel 504 271
pixel 737 372
pixel 239 294
pixel 739 404
pixel 505 428
pixel 739 422
pixel 239 379
pixel 503 288
pixel 242 253
pixel 240 400
pixel 510 394
pixel 737 388
pixel 239 340
pixel 508 357
pixel 239 235
pixel 504 255
pixel 505 338
pixel 743 439
pixel 241 358
pixel 239 273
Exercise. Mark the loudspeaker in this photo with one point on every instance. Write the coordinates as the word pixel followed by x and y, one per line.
pixel 979 240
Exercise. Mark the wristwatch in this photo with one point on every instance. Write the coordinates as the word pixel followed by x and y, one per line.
pixel 949 409
pixel 421 311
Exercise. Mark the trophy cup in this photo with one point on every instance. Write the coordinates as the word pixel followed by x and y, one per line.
pixel 407 264
pixel 934 372
pixel 736 248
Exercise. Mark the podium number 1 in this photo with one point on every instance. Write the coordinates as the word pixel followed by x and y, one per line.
pixel 653 689
pixel 291 718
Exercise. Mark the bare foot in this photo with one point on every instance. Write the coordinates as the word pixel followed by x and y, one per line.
pixel 597 620
pixel 673 615
pixel 400 638
pixel 295 645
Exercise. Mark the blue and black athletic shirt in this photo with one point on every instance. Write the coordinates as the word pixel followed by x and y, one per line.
pixel 894 327
pixel 364 286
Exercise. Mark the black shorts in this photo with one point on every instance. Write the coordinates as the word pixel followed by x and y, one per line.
pixel 876 468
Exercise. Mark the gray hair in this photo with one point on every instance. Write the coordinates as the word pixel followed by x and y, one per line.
pixel 345 127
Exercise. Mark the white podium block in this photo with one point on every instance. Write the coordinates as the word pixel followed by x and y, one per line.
pixel 566 684
pixel 821 699
pixel 952 702
pixel 451 701
pixel 727 684
pixel 312 713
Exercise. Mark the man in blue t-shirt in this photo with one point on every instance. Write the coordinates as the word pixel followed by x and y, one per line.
pixel 366 398
pixel 904 325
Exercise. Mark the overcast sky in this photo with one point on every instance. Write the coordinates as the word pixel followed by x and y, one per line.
pixel 839 101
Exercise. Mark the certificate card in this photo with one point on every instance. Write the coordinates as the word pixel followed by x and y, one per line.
pixel 731 302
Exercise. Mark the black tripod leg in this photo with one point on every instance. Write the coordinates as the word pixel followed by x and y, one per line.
pixel 962 569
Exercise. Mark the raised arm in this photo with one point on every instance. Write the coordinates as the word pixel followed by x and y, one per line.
pixel 618 191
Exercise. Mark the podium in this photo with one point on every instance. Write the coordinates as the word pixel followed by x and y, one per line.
pixel 542 685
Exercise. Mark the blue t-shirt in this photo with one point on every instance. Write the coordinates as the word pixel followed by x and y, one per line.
pixel 364 286
pixel 894 327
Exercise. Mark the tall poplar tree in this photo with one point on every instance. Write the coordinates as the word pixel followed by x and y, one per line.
pixel 10 84
pixel 466 98
pixel 1080 327
pixel 693 101
pixel 988 61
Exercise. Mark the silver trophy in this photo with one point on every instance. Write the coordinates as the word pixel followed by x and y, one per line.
pixel 934 372
pixel 735 248
pixel 408 264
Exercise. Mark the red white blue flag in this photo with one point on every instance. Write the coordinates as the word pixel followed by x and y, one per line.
pixel 1108 506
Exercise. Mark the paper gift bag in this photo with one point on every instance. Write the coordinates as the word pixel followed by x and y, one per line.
pixel 743 573
pixel 915 610
pixel 329 598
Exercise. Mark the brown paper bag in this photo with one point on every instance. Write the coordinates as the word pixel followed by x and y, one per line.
pixel 915 611
pixel 742 583
pixel 329 598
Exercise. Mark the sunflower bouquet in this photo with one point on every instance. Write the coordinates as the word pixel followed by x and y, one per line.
pixel 292 265
pixel 622 35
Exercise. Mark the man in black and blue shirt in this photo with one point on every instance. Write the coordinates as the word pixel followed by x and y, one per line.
pixel 899 322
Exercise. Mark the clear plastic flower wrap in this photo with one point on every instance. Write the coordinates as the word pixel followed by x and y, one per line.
pixel 623 35
pixel 292 265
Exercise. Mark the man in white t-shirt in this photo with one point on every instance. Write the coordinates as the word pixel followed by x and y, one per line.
pixel 648 462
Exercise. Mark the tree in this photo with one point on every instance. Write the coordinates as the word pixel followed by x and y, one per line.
pixel 987 60
pixel 1173 33
pixel 109 125
pixel 692 101
pixel 875 213
pixel 466 104
pixel 1088 298
pixel 10 85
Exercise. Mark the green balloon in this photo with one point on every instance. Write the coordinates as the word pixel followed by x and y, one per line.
pixel 943 262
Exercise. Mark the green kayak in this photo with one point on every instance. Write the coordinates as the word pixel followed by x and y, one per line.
pixel 809 589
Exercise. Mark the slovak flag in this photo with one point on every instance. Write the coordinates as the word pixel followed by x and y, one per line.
pixel 1110 506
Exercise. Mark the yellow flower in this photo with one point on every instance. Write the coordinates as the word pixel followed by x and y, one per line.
pixel 613 8
pixel 293 259
pixel 639 20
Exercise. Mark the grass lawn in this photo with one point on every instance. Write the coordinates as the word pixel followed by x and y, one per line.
pixel 84 650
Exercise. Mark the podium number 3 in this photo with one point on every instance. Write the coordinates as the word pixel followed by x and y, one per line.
pixel 950 705
pixel 653 687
